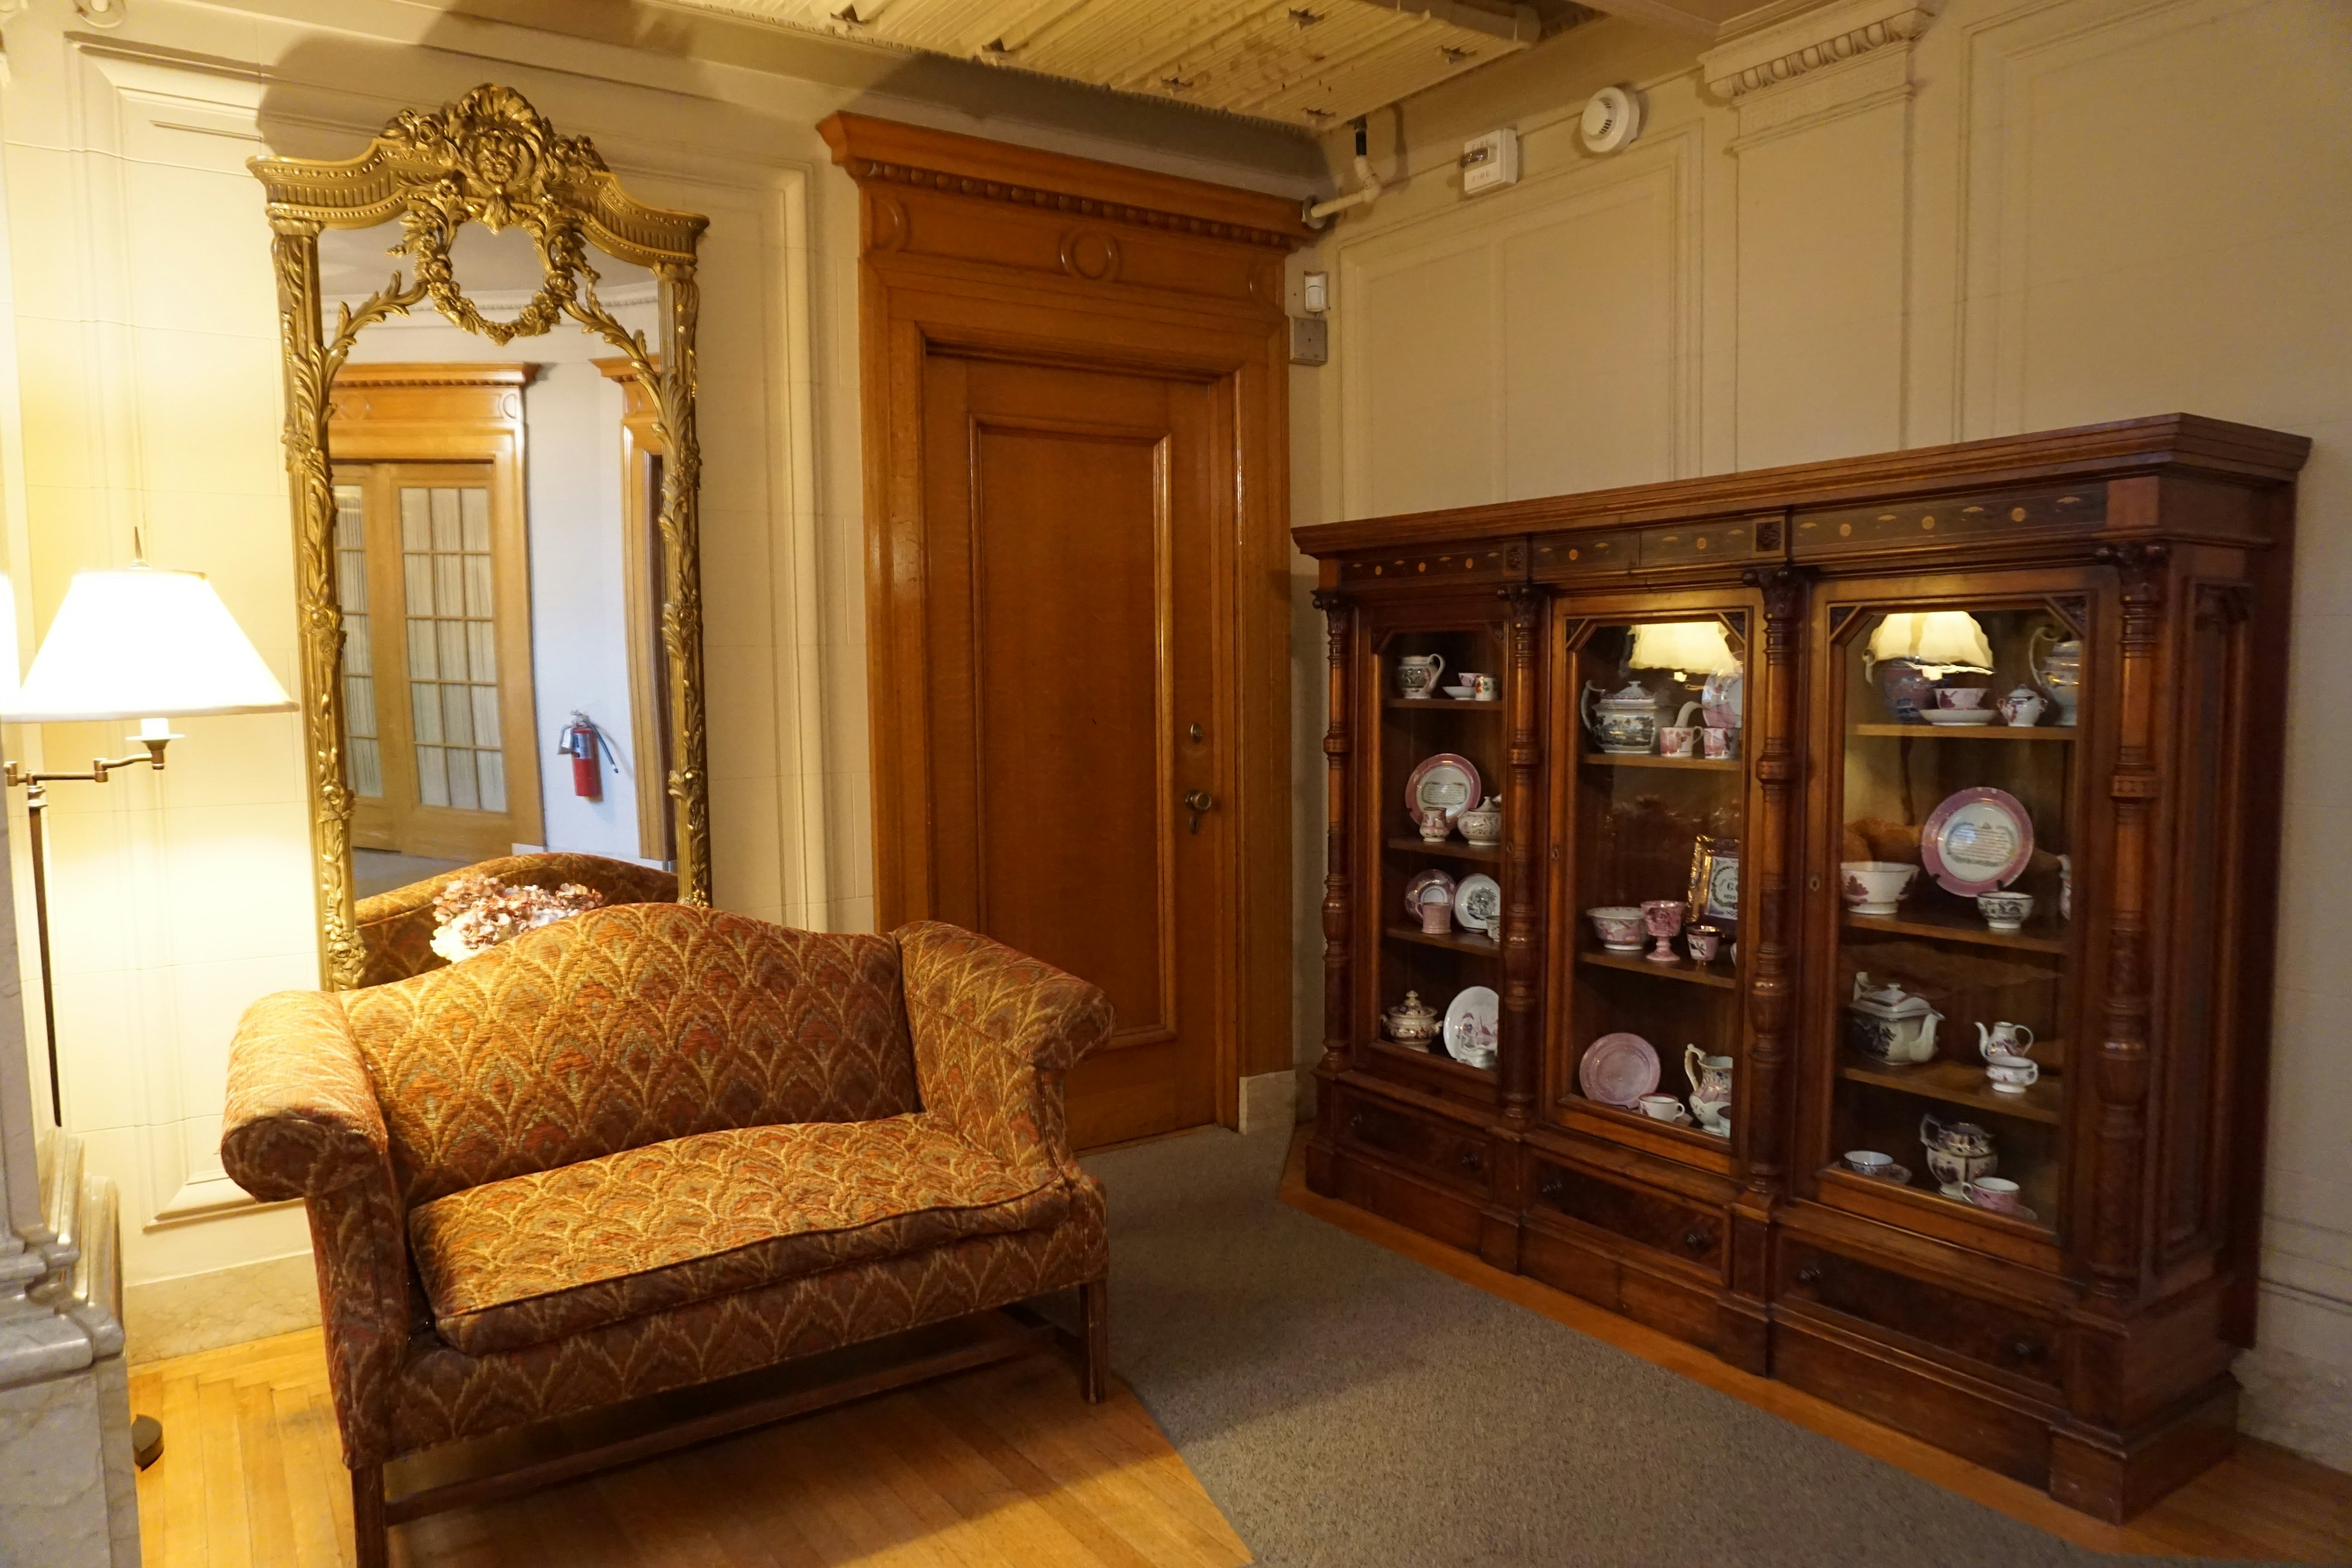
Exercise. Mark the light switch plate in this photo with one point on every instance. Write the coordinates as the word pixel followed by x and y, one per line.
pixel 1310 340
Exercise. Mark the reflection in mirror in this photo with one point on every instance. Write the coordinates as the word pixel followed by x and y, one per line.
pixel 498 559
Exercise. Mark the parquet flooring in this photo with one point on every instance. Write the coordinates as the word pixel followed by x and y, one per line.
pixel 2265 1503
pixel 1003 1467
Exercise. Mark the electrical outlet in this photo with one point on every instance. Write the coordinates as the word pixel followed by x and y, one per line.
pixel 1490 160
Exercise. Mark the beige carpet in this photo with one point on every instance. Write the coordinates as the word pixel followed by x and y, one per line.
pixel 1345 1405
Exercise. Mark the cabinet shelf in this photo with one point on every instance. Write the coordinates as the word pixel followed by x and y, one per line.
pixel 1960 1083
pixel 1966 731
pixel 1452 849
pixel 1961 928
pixel 1717 974
pixel 1443 704
pixel 1456 941
pixel 1638 759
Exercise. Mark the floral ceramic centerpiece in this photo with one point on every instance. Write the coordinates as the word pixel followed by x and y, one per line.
pixel 477 913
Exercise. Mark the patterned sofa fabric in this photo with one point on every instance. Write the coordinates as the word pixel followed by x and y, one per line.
pixel 626 1027
pixel 536 1258
pixel 648 1078
pixel 395 929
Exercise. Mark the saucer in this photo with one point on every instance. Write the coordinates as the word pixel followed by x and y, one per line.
pixel 1893 1175
pixel 1958 716
pixel 1461 693
pixel 1716 1129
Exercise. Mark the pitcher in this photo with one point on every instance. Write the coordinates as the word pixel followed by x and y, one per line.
pixel 1710 1081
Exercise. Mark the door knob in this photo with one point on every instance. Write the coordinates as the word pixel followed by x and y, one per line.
pixel 1199 801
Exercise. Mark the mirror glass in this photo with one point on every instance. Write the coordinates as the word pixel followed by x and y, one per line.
pixel 497 559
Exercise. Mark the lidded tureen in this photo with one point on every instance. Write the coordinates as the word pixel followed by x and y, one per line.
pixel 1411 1021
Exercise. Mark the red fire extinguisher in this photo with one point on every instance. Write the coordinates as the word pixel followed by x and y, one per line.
pixel 580 743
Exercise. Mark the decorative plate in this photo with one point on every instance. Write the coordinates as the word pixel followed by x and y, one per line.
pixel 1444 782
pixel 1959 716
pixel 1977 841
pixel 1618 1069
pixel 1478 904
pixel 1420 884
pixel 1473 1027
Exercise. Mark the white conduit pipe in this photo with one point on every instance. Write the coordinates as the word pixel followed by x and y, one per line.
pixel 1367 191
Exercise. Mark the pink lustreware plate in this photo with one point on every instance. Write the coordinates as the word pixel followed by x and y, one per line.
pixel 1451 782
pixel 1618 1069
pixel 1977 841
pixel 1420 883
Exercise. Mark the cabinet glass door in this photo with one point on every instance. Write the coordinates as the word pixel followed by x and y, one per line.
pixel 1435 799
pixel 1957 729
pixel 1653 811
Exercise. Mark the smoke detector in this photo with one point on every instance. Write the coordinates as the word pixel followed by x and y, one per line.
pixel 1612 119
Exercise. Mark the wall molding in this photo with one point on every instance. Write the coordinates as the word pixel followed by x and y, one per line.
pixel 1779 51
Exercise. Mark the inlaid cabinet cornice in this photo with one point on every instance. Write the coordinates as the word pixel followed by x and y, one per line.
pixel 1727 713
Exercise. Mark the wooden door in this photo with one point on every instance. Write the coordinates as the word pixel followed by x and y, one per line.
pixel 438 703
pixel 1071 551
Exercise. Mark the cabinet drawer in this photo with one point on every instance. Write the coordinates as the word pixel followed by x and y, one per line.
pixel 1690 1234
pixel 1427 1146
pixel 2001 1338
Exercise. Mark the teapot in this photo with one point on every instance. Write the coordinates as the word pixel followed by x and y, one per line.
pixel 1411 1021
pixel 1957 1152
pixel 1625 722
pixel 2004 1040
pixel 1710 1081
pixel 1889 1025
pixel 1483 823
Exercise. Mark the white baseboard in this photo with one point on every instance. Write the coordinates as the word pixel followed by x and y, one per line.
pixel 225 1307
pixel 1270 1100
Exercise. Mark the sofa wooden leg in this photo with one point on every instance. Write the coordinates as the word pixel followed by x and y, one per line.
pixel 371 1537
pixel 1094 1325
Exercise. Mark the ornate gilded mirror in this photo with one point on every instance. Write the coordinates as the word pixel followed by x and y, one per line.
pixel 495 531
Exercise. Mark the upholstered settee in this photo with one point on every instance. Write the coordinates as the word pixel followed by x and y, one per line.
pixel 655 1145
pixel 396 928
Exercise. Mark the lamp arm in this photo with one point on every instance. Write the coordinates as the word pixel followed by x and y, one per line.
pixel 100 767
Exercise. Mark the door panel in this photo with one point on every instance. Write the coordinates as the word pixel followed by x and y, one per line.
pixel 1071 530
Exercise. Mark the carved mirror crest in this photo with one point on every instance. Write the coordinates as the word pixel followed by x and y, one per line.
pixel 485 169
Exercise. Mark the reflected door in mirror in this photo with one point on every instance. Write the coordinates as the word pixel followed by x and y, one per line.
pixel 436 667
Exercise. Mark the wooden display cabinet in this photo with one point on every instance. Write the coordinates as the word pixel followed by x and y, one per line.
pixel 2072 1329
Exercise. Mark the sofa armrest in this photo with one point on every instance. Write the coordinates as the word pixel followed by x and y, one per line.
pixel 997 1032
pixel 301 1116
pixel 302 1121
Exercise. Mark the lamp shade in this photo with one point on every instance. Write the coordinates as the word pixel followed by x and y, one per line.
pixel 1949 638
pixel 1697 648
pixel 138 643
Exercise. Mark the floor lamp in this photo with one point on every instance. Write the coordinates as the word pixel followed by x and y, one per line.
pixel 132 643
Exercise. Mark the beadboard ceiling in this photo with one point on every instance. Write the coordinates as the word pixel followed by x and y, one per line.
pixel 1314 64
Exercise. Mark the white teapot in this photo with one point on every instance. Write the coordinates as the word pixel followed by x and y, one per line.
pixel 1889 1025
pixel 1625 722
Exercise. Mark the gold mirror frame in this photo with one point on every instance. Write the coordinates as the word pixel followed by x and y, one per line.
pixel 490 158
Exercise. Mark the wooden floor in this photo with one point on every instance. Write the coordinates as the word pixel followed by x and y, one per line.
pixel 1003 1467
pixel 2265 1503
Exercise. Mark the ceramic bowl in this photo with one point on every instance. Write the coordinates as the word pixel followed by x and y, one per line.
pixel 1619 926
pixel 1460 693
pixel 2005 911
pixel 1868 1162
pixel 1874 886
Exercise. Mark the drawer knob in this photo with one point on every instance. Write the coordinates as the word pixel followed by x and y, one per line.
pixel 1356 1122
pixel 1811 1274
pixel 2028 1351
pixel 1697 1240
pixel 1471 1159
pixel 1551 1187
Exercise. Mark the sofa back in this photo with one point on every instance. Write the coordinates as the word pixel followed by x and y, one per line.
pixel 395 929
pixel 626 1027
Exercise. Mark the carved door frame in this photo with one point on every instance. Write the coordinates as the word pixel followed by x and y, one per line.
pixel 996 251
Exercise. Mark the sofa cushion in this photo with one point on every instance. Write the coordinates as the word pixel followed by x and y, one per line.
pixel 535 1258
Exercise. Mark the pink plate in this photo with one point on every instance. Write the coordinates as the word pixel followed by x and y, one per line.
pixel 1978 841
pixel 1422 883
pixel 1618 1069
pixel 1445 781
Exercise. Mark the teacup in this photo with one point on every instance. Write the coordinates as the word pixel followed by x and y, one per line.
pixel 2005 911
pixel 1677 740
pixel 1436 911
pixel 1483 687
pixel 1720 743
pixel 1998 1193
pixel 1663 1108
pixel 1876 886
pixel 1868 1162
pixel 1704 942
pixel 2012 1074
pixel 1619 926
pixel 1962 696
